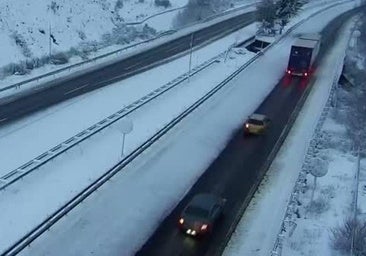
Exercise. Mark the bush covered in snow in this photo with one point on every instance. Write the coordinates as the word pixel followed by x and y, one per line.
pixel 318 206
pixel 22 43
pixel 121 34
pixel 342 237
pixel 198 10
pixel 163 3
pixel 59 58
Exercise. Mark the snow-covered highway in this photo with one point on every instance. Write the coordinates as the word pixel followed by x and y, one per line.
pixel 108 147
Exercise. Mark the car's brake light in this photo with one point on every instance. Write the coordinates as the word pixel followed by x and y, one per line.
pixel 204 227
pixel 181 220
pixel 288 71
pixel 306 74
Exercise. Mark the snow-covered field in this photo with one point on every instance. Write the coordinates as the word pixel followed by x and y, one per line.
pixel 147 196
pixel 71 22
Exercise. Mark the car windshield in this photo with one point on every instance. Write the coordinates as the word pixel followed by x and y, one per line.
pixel 195 211
pixel 255 122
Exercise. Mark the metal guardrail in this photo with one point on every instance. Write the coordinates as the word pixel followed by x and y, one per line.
pixel 56 216
pixel 165 33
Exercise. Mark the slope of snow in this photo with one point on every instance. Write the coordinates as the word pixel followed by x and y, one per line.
pixel 153 185
pixel 71 22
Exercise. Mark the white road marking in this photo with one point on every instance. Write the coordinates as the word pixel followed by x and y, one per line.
pixel 76 89
pixel 173 49
pixel 133 66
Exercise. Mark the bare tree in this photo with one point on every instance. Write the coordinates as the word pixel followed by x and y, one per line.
pixel 200 9
pixel 342 237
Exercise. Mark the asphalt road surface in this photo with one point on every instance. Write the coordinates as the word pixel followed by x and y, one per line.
pixel 234 172
pixel 66 89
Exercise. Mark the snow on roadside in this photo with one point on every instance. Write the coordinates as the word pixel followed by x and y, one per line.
pixel 260 224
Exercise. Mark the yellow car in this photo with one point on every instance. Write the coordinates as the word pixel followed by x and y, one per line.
pixel 256 124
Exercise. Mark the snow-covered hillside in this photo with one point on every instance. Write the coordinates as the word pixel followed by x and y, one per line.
pixel 25 24
pixel 31 30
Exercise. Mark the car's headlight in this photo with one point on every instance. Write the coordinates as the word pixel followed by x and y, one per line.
pixel 204 227
pixel 246 125
pixel 181 220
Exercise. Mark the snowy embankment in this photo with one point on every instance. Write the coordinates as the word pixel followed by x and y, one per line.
pixel 148 189
pixel 257 232
pixel 71 23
